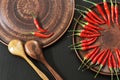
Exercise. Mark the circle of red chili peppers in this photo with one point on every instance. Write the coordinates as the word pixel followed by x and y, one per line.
pixel 90 32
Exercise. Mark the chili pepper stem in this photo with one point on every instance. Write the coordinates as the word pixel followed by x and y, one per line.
pixel 70 35
pixel 33 15
pixel 89 67
pixel 81 64
pixel 90 2
pixel 111 71
pixel 98 71
pixel 93 13
pixel 78 22
pixel 74 44
pixel 116 74
pixel 86 63
pixel 74 30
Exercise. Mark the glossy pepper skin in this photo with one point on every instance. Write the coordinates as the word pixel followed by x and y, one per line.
pixel 88 55
pixel 37 24
pixel 112 11
pixel 40 35
pixel 107 12
pixel 102 61
pixel 116 13
pixel 99 8
pixel 110 65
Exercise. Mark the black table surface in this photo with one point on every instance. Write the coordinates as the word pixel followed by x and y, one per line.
pixel 58 55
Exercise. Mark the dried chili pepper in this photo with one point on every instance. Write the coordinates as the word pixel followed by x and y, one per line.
pixel 116 13
pixel 88 55
pixel 102 61
pixel 38 34
pixel 107 11
pixel 112 11
pixel 37 24
pixel 99 8
pixel 93 14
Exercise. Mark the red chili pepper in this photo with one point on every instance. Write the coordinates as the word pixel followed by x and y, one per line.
pixel 110 65
pixel 116 13
pixel 87 44
pixel 93 14
pixel 101 58
pixel 83 35
pixel 91 25
pixel 86 47
pixel 82 31
pixel 102 62
pixel 38 34
pixel 99 8
pixel 88 19
pixel 37 24
pixel 82 41
pixel 107 11
pixel 115 66
pixel 94 60
pixel 88 55
pixel 112 11
pixel 87 40
pixel 89 28
pixel 92 56
pixel 86 27
pixel 90 16
pixel 118 57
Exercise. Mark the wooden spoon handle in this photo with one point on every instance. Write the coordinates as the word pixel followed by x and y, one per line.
pixel 53 72
pixel 39 72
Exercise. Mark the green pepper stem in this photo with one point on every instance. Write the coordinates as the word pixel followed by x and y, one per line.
pixel 75 30
pixel 104 0
pixel 33 15
pixel 90 2
pixel 116 74
pixel 82 25
pixel 74 44
pixel 84 7
pixel 116 3
pixel 89 67
pixel 111 71
pixel 84 22
pixel 81 64
pixel 111 2
pixel 98 71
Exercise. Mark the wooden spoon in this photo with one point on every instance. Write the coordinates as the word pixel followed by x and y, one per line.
pixel 16 48
pixel 33 49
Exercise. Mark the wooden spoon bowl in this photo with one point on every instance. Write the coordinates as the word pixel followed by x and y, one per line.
pixel 16 48
pixel 34 50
